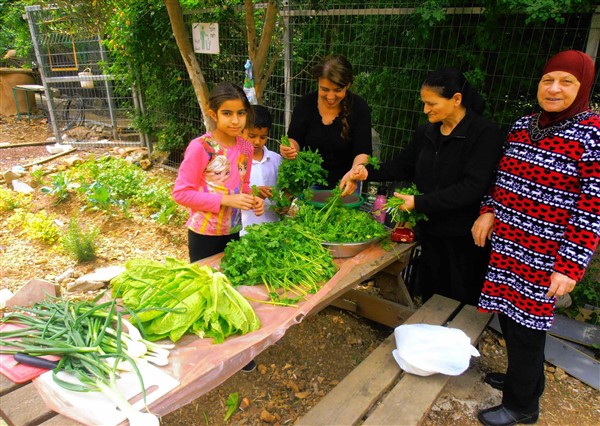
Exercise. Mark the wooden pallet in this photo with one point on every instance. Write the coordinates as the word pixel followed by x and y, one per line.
pixel 377 392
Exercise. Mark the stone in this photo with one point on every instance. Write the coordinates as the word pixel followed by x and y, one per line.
pixel 36 290
pixel 83 286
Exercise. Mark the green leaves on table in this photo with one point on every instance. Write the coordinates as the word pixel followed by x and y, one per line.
pixel 176 297
pixel 336 223
pixel 393 206
pixel 284 256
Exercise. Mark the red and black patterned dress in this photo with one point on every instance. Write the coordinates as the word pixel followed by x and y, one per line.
pixel 546 202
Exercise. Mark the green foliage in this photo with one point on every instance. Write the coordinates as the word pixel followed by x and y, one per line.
pixel 61 187
pixel 586 292
pixel 12 200
pixel 144 52
pixel 297 176
pixel 38 226
pixel 15 33
pixel 81 244
pixel 540 11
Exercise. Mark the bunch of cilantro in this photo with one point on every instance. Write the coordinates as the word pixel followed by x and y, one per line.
pixel 284 256
pixel 336 223
pixel 296 177
pixel 172 298
pixel 393 206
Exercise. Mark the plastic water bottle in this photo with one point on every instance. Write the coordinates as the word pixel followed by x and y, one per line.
pixel 378 208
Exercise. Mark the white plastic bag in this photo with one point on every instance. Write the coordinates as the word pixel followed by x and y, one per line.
pixel 424 349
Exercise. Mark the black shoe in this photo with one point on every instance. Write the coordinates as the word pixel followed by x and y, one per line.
pixel 502 416
pixel 495 380
pixel 251 366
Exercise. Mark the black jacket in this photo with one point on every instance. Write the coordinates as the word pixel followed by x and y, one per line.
pixel 453 172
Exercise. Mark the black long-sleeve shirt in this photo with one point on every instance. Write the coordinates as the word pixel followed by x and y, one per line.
pixel 308 130
pixel 453 172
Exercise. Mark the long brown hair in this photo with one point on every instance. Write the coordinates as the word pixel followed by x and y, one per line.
pixel 338 70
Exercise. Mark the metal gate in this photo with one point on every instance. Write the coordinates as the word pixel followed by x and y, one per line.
pixel 84 104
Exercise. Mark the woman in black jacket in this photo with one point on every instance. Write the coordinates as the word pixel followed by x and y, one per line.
pixel 452 160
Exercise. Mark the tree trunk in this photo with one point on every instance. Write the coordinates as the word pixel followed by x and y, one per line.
pixel 194 70
pixel 259 52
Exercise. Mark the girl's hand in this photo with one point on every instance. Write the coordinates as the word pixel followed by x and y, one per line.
pixel 482 229
pixel 259 206
pixel 409 201
pixel 239 201
pixel 289 152
pixel 265 192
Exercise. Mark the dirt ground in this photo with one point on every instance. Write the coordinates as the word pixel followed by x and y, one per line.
pixel 292 375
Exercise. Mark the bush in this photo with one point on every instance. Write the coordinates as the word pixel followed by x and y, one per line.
pixel 12 200
pixel 79 243
pixel 36 226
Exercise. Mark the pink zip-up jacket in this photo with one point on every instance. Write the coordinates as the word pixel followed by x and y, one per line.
pixel 208 171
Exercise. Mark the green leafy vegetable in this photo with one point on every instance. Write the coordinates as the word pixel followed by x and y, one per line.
pixel 373 161
pixel 393 206
pixel 176 297
pixel 289 260
pixel 297 176
pixel 233 402
pixel 336 223
pixel 285 140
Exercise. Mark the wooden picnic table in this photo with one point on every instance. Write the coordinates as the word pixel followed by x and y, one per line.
pixel 200 366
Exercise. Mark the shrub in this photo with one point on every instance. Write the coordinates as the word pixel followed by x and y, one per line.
pixel 12 200
pixel 79 243
pixel 36 226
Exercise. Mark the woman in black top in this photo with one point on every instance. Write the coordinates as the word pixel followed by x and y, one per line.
pixel 333 120
pixel 452 160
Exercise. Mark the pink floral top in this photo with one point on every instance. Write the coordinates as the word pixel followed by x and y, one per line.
pixel 208 171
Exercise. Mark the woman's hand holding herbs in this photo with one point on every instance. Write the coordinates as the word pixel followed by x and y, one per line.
pixel 288 148
pixel 349 182
pixel 409 201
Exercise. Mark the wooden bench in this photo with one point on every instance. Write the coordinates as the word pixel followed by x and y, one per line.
pixel 377 392
pixel 22 405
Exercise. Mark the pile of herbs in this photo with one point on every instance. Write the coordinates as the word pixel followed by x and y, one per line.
pixel 172 298
pixel 336 223
pixel 284 256
pixel 296 177
pixel 393 206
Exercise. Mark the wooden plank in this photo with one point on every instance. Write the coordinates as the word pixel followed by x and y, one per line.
pixel 366 270
pixel 374 308
pixel 60 420
pixel 411 399
pixel 392 287
pixel 352 398
pixel 24 406
pixel 7 385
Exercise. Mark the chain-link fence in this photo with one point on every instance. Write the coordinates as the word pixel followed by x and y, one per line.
pixel 393 45
pixel 83 103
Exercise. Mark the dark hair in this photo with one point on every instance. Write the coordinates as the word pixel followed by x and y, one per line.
pixel 262 117
pixel 338 70
pixel 224 92
pixel 448 81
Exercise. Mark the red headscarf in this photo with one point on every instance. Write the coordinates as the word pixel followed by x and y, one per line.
pixel 581 66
